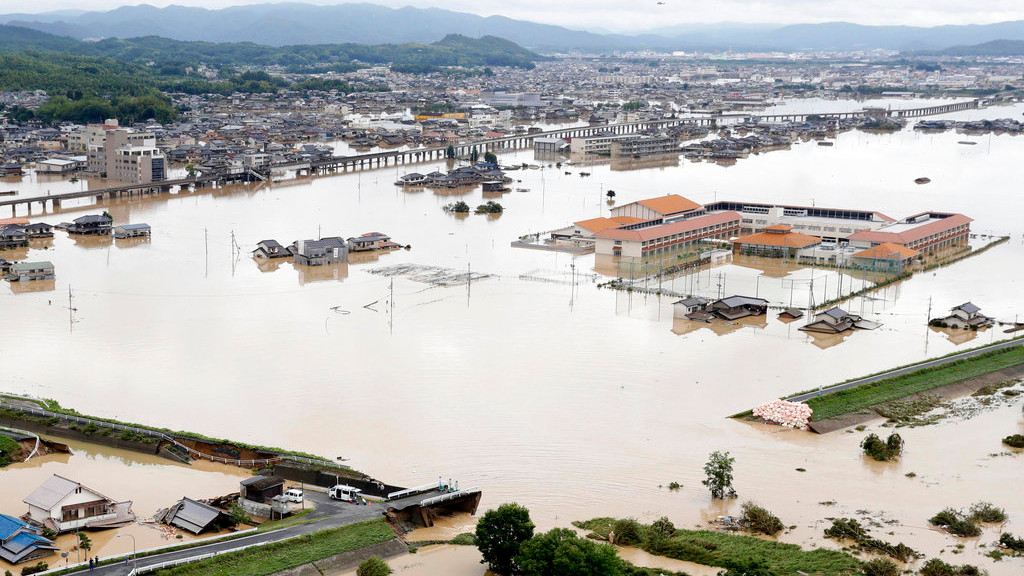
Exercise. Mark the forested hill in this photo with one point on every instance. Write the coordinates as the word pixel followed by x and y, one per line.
pixel 453 50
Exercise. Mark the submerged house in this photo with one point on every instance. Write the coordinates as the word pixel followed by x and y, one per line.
pixel 27 271
pixel 100 224
pixel 692 305
pixel 132 230
pixel 13 237
pixel 192 515
pixel 736 307
pixel 21 542
pixel 267 249
pixel 966 315
pixel 836 320
pixel 64 505
pixel 369 241
pixel 321 252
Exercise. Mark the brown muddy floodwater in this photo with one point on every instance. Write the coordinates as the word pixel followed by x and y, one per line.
pixel 572 400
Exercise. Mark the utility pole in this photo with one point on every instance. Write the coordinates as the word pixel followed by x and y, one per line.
pixel 206 248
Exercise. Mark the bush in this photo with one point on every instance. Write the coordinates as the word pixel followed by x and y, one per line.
pixel 373 566
pixel 459 207
pixel 627 532
pixel 936 567
pixel 1007 540
pixel 39 567
pixel 761 520
pixel 891 449
pixel 880 567
pixel 464 539
pixel 955 523
pixel 846 528
pixel 986 512
pixel 491 207
pixel 1015 441
pixel 499 535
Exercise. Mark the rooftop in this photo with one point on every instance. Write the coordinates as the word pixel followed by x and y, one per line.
pixel 661 230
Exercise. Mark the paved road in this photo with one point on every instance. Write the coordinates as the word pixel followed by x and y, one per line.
pixel 908 369
pixel 328 514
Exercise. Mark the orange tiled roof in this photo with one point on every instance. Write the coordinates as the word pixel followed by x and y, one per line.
pixel 670 204
pixel 662 230
pixel 913 234
pixel 787 240
pixel 626 220
pixel 886 251
pixel 597 224
pixel 15 221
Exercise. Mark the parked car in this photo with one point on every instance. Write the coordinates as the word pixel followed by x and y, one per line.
pixel 293 495
pixel 345 493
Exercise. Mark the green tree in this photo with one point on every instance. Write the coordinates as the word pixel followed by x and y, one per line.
pixel 719 475
pixel 500 533
pixel 748 567
pixel 85 543
pixel 373 566
pixel 237 515
pixel 449 152
pixel 490 158
pixel 560 552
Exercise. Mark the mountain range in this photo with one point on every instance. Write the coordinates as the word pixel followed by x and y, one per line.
pixel 296 23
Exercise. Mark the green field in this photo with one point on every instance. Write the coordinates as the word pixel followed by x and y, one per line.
pixel 721 549
pixel 867 395
pixel 263 560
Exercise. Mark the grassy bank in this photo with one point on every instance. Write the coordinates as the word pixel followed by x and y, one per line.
pixel 888 389
pixel 263 560
pixel 722 550
pixel 54 406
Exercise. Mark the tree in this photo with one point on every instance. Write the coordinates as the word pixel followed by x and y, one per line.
pixel 237 515
pixel 373 566
pixel 880 567
pixel 85 543
pixel 719 475
pixel 560 552
pixel 500 533
pixel 474 155
pixel 490 158
pixel 891 449
pixel 449 152
pixel 610 194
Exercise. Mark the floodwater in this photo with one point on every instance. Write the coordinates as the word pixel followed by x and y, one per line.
pixel 533 384
pixel 118 474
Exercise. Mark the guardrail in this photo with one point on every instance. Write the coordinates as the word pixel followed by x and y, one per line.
pixel 449 496
pixel 414 490
pixel 250 463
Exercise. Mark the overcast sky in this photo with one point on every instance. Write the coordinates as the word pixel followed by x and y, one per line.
pixel 616 15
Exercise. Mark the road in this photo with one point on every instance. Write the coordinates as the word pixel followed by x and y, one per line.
pixel 907 370
pixel 327 514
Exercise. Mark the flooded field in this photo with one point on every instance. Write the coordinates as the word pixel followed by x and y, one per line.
pixel 531 383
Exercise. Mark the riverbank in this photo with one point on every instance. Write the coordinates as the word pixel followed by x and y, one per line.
pixel 49 417
pixel 869 395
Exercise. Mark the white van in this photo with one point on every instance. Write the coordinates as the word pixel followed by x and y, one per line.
pixel 344 492
pixel 293 495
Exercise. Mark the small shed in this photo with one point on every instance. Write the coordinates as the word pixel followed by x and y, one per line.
pixel 261 488
pixel 132 230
